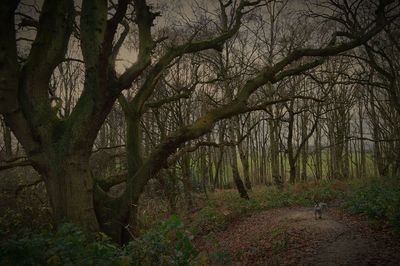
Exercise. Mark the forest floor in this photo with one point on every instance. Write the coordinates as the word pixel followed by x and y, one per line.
pixel 292 236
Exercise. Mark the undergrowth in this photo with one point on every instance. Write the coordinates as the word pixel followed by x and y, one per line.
pixel 169 242
pixel 378 199
pixel 166 244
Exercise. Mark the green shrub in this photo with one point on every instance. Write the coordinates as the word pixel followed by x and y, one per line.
pixel 166 244
pixel 378 199
pixel 67 246
pixel 208 219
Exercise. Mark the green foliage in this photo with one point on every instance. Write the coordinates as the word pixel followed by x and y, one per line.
pixel 166 244
pixel 378 199
pixel 11 220
pixel 68 245
pixel 208 219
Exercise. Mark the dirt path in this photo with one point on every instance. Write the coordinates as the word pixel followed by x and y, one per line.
pixel 292 236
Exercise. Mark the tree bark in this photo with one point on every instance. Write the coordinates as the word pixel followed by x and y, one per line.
pixel 70 187
pixel 234 166
pixel 7 141
pixel 304 150
pixel 244 158
pixel 318 153
pixel 274 150
pixel 291 152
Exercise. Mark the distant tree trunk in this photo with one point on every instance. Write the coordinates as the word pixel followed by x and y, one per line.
pixel 318 153
pixel 187 183
pixel 346 155
pixel 290 148
pixel 245 163
pixel 218 168
pixel 274 151
pixel 282 163
pixel 234 166
pixel 243 155
pixel 362 146
pixel 378 160
pixel 331 151
pixel 304 151
pixel 354 152
pixel 257 153
pixel 204 173
pixel 210 164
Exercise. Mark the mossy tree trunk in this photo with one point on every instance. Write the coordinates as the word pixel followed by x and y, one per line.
pixel 59 148
pixel 69 186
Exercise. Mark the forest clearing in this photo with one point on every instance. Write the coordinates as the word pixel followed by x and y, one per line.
pixel 199 132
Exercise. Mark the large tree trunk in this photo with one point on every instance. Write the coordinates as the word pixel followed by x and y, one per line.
pixel 136 180
pixel 69 187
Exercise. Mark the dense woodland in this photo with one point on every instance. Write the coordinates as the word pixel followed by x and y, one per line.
pixel 105 104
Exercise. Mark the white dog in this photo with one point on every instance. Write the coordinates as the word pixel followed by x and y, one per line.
pixel 319 208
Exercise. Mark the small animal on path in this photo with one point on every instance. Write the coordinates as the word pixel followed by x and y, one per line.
pixel 318 209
